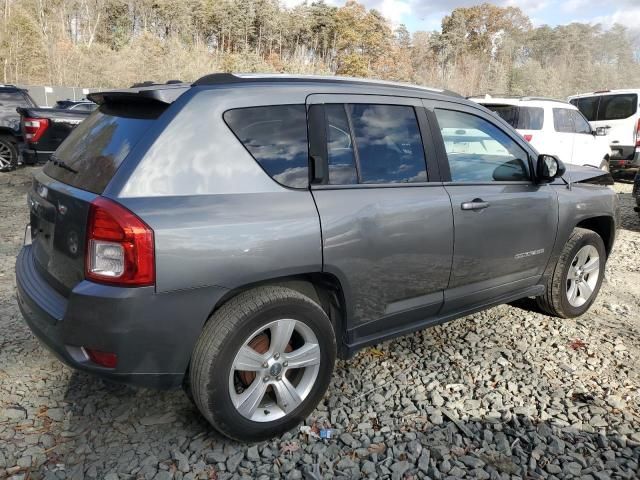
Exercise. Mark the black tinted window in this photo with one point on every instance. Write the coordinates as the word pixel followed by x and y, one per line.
pixel 617 107
pixel 276 136
pixel 340 154
pixel 588 106
pixel 524 118
pixel 14 99
pixel 388 143
pixel 478 151
pixel 563 120
pixel 96 147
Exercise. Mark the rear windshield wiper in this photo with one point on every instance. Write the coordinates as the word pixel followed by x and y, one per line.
pixel 61 164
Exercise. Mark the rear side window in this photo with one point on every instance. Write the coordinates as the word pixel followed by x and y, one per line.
pixel 524 118
pixel 388 143
pixel 617 107
pixel 563 120
pixel 15 99
pixel 89 157
pixel 588 106
pixel 276 136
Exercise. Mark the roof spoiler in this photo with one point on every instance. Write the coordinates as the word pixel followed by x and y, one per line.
pixel 164 94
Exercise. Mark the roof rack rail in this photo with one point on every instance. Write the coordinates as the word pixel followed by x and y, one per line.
pixel 232 78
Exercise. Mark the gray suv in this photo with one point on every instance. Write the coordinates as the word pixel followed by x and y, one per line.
pixel 236 235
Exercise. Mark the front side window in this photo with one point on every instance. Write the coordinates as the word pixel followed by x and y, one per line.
pixel 388 143
pixel 580 123
pixel 563 120
pixel 276 136
pixel 478 151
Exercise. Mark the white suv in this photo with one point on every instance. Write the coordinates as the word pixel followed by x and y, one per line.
pixel 553 127
pixel 618 112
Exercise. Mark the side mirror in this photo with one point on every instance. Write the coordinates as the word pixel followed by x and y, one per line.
pixel 549 167
pixel 600 132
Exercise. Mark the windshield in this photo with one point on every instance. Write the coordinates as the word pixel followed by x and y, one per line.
pixel 91 154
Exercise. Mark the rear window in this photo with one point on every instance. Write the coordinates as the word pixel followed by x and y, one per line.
pixel 91 154
pixel 524 118
pixel 15 99
pixel 276 136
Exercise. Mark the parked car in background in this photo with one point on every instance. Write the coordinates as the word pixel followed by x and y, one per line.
pixel 617 112
pixel 44 129
pixel 11 97
pixel 235 235
pixel 553 127
pixel 83 105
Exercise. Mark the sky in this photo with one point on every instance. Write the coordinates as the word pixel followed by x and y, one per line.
pixel 427 14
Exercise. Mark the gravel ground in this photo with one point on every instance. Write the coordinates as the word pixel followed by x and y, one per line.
pixel 504 394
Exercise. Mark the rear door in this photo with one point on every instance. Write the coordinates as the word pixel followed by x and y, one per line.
pixel 387 226
pixel 505 224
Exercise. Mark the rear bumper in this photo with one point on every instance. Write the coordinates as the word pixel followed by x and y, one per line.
pixel 624 157
pixel 152 334
pixel 31 157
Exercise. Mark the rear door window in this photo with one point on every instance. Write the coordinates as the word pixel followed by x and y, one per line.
pixel 276 136
pixel 563 120
pixel 89 157
pixel 617 107
pixel 388 143
pixel 523 118
pixel 340 152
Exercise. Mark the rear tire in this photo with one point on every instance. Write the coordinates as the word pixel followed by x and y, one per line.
pixel 577 276
pixel 267 330
pixel 8 153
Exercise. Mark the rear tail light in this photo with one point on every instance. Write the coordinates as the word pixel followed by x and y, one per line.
pixel 528 137
pixel 637 133
pixel 120 246
pixel 104 359
pixel 34 128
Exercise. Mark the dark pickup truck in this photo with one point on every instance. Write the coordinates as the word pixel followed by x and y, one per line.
pixel 10 134
pixel 44 129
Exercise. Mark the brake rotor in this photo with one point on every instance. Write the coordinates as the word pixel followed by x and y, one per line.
pixel 260 343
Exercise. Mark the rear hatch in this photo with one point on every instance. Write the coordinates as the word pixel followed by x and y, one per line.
pixel 78 172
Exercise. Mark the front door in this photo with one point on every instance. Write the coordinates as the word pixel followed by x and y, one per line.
pixel 387 226
pixel 505 224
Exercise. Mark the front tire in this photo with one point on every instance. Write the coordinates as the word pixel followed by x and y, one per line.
pixel 262 363
pixel 577 276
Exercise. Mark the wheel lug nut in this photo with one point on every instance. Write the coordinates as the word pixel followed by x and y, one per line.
pixel 276 356
pixel 279 378
pixel 265 365
pixel 285 364
pixel 266 378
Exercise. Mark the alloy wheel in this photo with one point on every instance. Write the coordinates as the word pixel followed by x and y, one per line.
pixel 274 370
pixel 583 275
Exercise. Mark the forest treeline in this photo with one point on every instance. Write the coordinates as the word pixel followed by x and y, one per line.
pixel 479 49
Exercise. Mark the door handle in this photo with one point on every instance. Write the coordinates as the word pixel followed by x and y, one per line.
pixel 475 204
